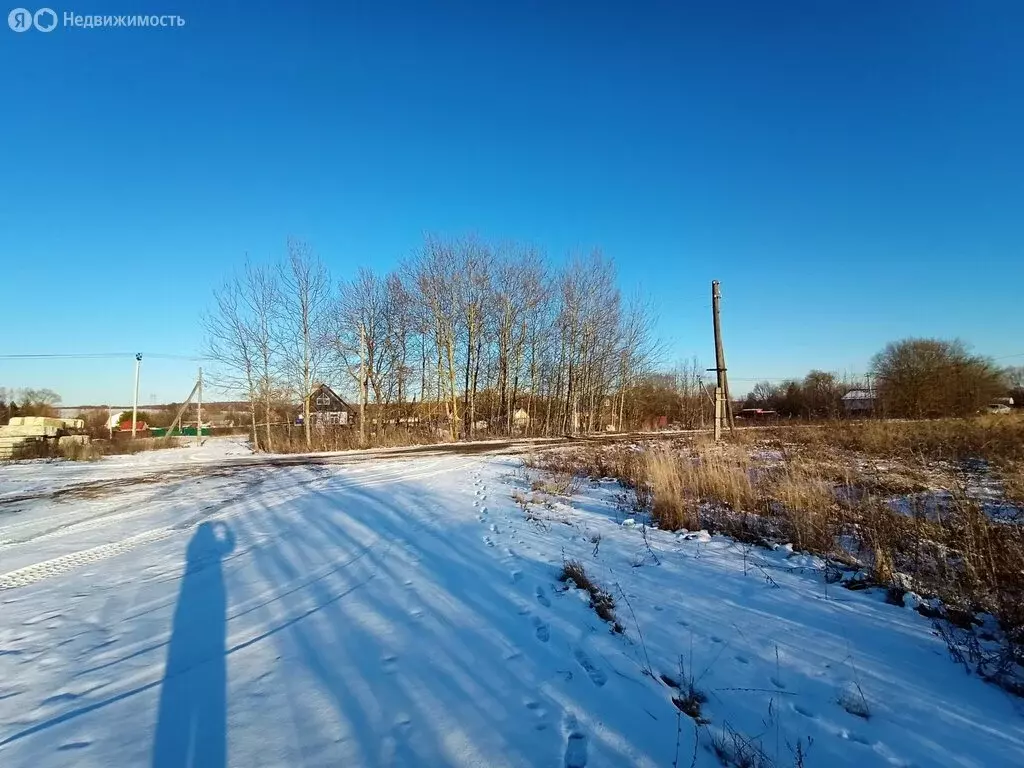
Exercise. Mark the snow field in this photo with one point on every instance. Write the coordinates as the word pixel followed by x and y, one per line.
pixel 407 613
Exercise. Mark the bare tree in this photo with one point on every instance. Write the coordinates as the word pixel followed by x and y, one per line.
pixel 230 343
pixel 303 310
pixel 364 332
pixel 436 275
pixel 261 296
pixel 475 263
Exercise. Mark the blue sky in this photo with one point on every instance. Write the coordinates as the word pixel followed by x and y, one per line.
pixel 853 172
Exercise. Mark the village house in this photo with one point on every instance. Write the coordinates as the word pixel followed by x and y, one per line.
pixel 327 408
pixel 859 402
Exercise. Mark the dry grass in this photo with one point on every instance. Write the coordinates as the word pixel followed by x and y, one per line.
pixel 93 450
pixel 290 439
pixel 818 496
pixel 601 601
pixel 992 438
pixel 1013 481
pixel 556 484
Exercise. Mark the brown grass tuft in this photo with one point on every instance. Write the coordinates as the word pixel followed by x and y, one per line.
pixel 601 601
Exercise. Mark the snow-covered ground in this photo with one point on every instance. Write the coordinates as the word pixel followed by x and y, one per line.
pixel 406 612
pixel 39 476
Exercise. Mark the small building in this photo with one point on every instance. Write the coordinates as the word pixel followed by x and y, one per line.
pixel 520 419
pixel 327 408
pixel 859 402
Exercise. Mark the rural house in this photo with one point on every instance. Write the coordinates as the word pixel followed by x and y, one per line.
pixel 858 402
pixel 328 409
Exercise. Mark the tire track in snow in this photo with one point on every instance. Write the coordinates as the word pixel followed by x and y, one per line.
pixel 58 565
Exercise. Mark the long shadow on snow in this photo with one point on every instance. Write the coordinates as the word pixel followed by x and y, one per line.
pixel 464 684
pixel 191 727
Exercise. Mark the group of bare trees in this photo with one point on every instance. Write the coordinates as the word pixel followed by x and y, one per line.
pixel 910 378
pixel 27 402
pixel 819 395
pixel 465 336
pixel 926 378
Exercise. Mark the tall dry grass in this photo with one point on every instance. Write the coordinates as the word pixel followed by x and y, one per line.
pixel 993 438
pixel 962 556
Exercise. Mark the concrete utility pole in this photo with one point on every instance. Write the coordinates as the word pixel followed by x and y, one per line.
pixel 723 379
pixel 135 402
pixel 199 408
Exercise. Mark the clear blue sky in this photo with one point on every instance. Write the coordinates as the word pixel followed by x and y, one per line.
pixel 853 172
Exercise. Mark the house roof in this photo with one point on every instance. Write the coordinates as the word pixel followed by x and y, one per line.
pixel 859 394
pixel 325 388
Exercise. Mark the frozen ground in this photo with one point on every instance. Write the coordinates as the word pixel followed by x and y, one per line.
pixel 407 613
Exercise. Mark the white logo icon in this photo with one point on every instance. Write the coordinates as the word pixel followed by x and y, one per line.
pixel 45 20
pixel 22 20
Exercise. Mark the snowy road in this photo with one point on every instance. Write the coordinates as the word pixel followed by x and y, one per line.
pixel 405 612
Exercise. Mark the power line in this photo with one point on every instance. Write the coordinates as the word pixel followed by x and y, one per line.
pixel 105 355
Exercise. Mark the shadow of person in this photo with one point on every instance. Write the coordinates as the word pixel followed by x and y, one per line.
pixel 191 728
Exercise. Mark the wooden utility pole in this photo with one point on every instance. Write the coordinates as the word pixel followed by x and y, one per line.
pixel 719 400
pixel 723 379
pixel 182 409
pixel 362 384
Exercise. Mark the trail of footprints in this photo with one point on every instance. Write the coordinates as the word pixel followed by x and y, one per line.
pixel 575 739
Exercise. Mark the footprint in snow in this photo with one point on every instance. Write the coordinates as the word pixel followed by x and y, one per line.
pixel 800 710
pixel 575 745
pixel 595 673
pixel 488 541
pixel 542 630
pixel 742 659
pixel 543 598
pixel 516 576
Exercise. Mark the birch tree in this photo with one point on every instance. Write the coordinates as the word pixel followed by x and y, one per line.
pixel 305 300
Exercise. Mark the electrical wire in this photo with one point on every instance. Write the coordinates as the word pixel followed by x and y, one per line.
pixel 105 355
